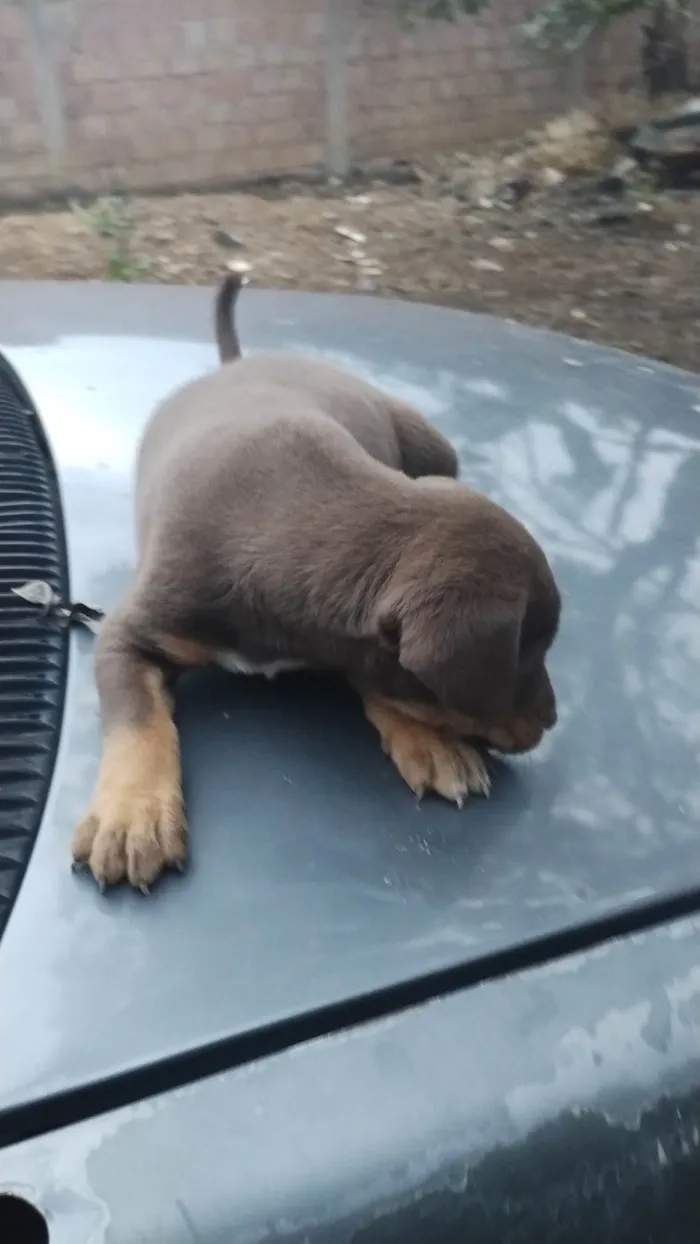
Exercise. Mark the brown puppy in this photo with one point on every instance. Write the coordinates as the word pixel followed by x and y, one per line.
pixel 291 515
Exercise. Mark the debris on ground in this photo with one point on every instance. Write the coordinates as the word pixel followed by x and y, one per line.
pixel 224 237
pixel 588 225
pixel 670 147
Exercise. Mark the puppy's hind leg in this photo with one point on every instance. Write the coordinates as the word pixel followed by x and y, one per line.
pixel 135 825
pixel 424 450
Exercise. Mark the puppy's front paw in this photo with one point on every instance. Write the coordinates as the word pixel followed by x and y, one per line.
pixel 134 835
pixel 431 759
pixel 135 827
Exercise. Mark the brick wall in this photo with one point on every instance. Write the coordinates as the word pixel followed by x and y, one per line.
pixel 100 94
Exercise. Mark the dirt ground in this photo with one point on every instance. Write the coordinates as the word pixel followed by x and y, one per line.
pixel 623 271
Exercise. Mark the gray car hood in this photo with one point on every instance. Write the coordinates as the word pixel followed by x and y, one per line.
pixel 314 876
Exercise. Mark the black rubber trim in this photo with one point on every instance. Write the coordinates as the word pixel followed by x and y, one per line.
pixel 33 649
pixel 31 1119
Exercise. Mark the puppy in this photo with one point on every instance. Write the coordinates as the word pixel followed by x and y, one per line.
pixel 291 515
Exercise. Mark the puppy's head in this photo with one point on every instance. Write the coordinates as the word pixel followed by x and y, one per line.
pixel 471 613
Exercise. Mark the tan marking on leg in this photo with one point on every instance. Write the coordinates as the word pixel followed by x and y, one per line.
pixel 427 757
pixel 135 826
pixel 440 717
pixel 519 734
pixel 185 651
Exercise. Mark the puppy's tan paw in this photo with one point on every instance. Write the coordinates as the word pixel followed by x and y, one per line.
pixel 135 827
pixel 432 760
pixel 133 837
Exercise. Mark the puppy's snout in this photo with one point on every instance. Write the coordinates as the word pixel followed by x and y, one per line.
pixel 521 735
pixel 525 729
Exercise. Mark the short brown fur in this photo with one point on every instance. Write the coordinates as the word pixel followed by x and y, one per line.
pixel 289 512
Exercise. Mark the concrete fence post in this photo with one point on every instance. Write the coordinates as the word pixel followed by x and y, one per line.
pixel 337 140
pixel 49 99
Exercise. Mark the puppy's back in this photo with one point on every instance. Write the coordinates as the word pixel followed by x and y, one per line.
pixel 390 430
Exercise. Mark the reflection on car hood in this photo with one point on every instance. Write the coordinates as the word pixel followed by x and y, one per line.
pixel 315 877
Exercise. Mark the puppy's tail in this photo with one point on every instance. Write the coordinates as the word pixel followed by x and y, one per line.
pixel 224 314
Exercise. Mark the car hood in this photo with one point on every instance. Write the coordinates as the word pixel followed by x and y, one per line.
pixel 315 878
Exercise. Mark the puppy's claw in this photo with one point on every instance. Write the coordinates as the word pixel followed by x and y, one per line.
pixel 435 761
pixel 102 886
pixel 134 844
pixel 429 757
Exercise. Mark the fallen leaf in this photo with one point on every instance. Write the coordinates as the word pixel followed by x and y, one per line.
pixel 352 235
pixel 552 177
pixel 224 237
pixel 487 265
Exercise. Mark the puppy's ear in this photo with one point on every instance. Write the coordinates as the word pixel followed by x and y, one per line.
pixel 465 651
